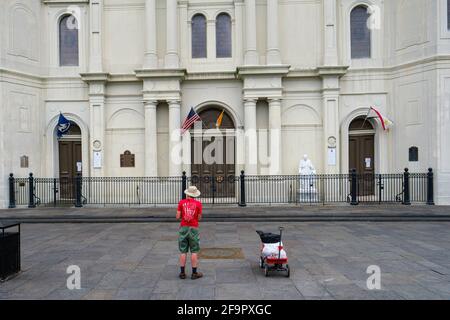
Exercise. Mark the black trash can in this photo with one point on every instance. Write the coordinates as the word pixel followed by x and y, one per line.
pixel 9 249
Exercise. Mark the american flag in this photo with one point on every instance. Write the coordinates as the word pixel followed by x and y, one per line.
pixel 191 118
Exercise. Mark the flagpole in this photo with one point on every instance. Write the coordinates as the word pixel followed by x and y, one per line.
pixel 365 119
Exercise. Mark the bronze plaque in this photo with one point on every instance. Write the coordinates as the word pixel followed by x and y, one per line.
pixel 127 159
pixel 24 162
pixel 221 253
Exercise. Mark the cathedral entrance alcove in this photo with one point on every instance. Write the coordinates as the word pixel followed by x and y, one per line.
pixel 70 161
pixel 213 154
pixel 362 154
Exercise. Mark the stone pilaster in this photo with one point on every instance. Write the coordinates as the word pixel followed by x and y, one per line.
pixel 97 85
pixel 95 36
pixel 151 56
pixel 251 54
pixel 172 60
pixel 331 127
pixel 175 137
pixel 330 33
pixel 273 50
pixel 251 141
pixel 151 147
pixel 275 136
pixel 239 27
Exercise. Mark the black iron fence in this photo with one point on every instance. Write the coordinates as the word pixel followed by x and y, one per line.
pixel 405 188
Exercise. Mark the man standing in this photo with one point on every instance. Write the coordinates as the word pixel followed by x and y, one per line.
pixel 190 212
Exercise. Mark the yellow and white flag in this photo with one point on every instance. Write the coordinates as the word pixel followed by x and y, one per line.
pixel 219 120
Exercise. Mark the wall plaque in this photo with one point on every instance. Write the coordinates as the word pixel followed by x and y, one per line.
pixel 127 159
pixel 332 156
pixel 413 154
pixel 24 162
pixel 97 160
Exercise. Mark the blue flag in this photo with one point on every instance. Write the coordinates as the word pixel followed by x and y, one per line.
pixel 63 125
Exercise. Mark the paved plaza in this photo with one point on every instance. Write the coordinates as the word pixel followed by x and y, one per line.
pixel 328 260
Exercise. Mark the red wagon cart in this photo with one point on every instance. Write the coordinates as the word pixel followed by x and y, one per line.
pixel 273 256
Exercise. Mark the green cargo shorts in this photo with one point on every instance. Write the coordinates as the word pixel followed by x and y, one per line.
pixel 188 239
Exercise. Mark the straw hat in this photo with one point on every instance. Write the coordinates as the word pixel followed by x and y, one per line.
pixel 192 191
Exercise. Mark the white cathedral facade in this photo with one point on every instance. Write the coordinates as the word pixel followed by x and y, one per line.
pixel 127 72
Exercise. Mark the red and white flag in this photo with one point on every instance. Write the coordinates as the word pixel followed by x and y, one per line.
pixel 385 122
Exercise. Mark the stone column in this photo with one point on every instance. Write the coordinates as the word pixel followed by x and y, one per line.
pixel 251 55
pixel 330 33
pixel 273 51
pixel 275 136
pixel 172 60
pixel 95 38
pixel 151 56
pixel 151 147
pixel 175 138
pixel 251 141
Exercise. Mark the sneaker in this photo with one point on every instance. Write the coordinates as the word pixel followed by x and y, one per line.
pixel 182 275
pixel 196 275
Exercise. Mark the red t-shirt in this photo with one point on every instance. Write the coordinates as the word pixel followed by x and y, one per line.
pixel 190 209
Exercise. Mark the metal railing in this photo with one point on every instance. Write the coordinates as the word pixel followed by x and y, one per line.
pixel 405 188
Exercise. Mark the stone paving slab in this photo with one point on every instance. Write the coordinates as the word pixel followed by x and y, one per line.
pixel 327 260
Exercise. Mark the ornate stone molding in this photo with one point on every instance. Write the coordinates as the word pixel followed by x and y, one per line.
pixel 332 71
pixel 94 77
pixel 280 70
pixel 160 73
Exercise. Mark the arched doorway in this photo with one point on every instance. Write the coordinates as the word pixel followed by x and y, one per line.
pixel 362 153
pixel 70 160
pixel 213 154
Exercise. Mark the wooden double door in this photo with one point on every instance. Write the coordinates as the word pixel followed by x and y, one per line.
pixel 70 163
pixel 213 154
pixel 213 169
pixel 362 158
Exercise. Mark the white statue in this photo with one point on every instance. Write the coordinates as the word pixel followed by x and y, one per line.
pixel 307 191
pixel 306 167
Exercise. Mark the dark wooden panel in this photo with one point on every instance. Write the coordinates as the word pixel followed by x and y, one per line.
pixel 368 147
pixel 353 153
pixel 69 155
pixel 65 158
pixel 362 158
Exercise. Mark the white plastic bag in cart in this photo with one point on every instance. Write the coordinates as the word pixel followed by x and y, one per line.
pixel 271 250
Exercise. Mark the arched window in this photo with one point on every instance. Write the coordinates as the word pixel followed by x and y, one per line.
pixel 68 41
pixel 360 33
pixel 199 36
pixel 223 36
pixel 448 14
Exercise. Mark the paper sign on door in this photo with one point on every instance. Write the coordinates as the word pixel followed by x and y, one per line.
pixel 368 162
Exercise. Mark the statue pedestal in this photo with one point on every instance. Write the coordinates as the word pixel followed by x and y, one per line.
pixel 307 192
pixel 307 196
